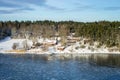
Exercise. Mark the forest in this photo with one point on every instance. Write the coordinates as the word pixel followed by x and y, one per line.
pixel 105 32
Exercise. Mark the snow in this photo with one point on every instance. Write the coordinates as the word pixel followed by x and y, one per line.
pixel 7 44
pixel 41 40
pixel 6 39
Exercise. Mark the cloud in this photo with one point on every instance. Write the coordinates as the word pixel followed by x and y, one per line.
pixel 51 5
pixel 10 11
pixel 5 12
pixel 18 5
pixel 15 3
pixel 84 7
pixel 35 2
pixel 24 5
pixel 53 8
pixel 7 4
pixel 69 5
pixel 113 8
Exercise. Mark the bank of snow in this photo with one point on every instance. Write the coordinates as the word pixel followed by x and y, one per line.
pixel 7 44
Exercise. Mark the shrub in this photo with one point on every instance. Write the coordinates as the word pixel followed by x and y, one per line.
pixel 77 47
pixel 38 44
pixel 15 45
pixel 82 46
pixel 98 46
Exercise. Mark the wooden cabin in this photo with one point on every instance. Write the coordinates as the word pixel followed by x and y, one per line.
pixel 87 41
pixel 49 43
pixel 74 38
pixel 61 48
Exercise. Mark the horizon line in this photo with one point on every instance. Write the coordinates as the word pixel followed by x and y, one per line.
pixel 59 20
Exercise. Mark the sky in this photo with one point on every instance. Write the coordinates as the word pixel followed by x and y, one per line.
pixel 60 10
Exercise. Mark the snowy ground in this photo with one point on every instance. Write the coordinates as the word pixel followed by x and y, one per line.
pixel 7 44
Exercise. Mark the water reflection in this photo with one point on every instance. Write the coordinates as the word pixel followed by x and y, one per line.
pixel 110 60
pixel 59 67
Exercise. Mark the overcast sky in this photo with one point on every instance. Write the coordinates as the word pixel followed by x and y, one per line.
pixel 57 10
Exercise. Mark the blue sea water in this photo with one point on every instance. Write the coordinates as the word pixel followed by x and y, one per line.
pixel 17 67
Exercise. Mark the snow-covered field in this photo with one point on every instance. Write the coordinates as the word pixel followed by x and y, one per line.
pixel 78 47
pixel 7 43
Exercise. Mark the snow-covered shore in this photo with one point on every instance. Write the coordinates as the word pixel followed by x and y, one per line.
pixel 6 46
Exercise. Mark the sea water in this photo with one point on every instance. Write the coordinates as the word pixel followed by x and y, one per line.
pixel 34 67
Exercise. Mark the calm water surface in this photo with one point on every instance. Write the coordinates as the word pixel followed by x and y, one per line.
pixel 33 67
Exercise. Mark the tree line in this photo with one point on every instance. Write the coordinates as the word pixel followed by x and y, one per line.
pixel 105 32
